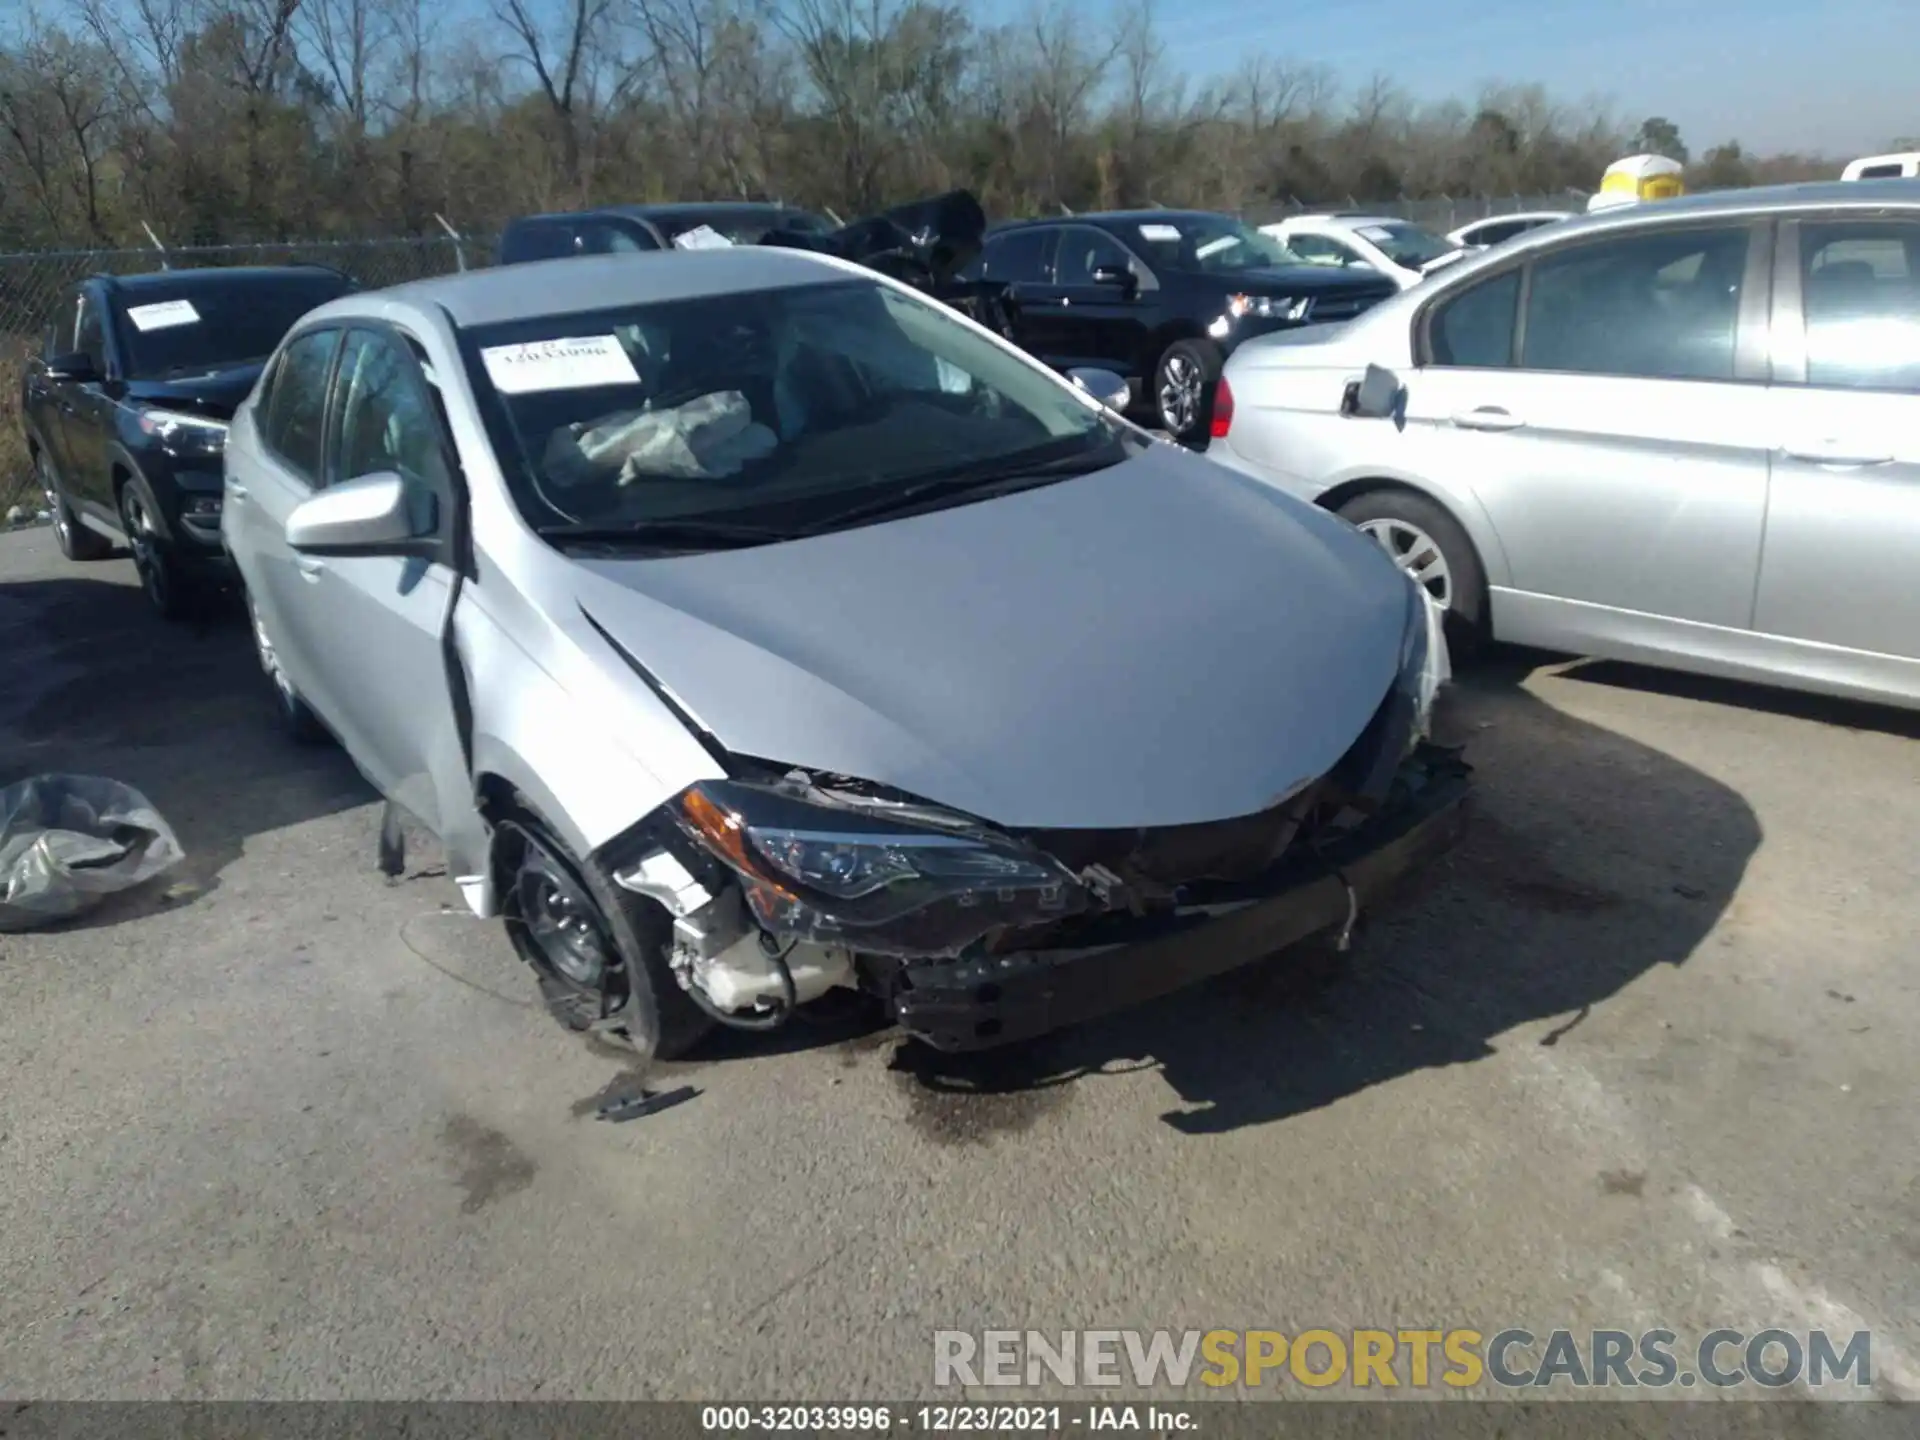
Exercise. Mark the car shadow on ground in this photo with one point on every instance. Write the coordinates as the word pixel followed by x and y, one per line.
pixel 97 684
pixel 1589 859
pixel 1740 694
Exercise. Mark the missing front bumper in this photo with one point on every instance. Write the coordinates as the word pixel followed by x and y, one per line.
pixel 980 1004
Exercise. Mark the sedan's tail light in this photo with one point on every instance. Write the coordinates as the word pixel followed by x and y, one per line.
pixel 1222 409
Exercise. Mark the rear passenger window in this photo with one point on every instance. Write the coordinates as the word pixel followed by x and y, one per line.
pixel 1020 256
pixel 1476 329
pixel 1660 306
pixel 1860 289
pixel 297 404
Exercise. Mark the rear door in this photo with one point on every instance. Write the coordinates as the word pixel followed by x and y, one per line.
pixel 1023 261
pixel 283 466
pixel 1616 442
pixel 377 623
pixel 1841 562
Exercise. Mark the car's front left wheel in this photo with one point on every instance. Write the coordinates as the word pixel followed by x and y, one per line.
pixel 598 954
pixel 167 585
pixel 1182 388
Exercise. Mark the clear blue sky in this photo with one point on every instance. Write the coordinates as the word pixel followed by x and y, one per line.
pixel 1840 77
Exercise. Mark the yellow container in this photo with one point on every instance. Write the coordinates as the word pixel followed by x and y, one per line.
pixel 1639 177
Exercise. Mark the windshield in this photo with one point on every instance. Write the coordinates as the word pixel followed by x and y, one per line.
pixel 207 324
pixel 1210 244
pixel 1406 244
pixel 779 407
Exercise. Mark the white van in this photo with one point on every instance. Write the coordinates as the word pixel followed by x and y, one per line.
pixel 1905 166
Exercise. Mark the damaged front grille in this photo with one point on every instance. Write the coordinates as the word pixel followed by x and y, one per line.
pixel 1154 870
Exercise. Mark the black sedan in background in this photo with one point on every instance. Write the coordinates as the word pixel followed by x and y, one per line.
pixel 1160 297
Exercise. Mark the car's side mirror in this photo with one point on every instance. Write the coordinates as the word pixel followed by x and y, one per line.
pixel 1120 277
pixel 1109 389
pixel 75 368
pixel 1374 396
pixel 377 514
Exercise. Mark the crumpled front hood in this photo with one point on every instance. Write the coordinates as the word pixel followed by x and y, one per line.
pixel 214 393
pixel 1160 643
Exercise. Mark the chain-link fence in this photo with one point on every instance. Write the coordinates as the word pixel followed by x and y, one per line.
pixel 36 289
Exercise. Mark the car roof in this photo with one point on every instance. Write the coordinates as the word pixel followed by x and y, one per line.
pixel 573 284
pixel 1753 202
pixel 204 277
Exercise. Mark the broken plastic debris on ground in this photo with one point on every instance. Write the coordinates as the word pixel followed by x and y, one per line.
pixel 68 841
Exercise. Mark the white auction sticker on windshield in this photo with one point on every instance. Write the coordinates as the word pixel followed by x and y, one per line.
pixel 1160 232
pixel 702 237
pixel 163 315
pixel 579 362
pixel 1374 232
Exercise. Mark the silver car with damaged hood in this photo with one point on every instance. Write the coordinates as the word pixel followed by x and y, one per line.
pixel 747 625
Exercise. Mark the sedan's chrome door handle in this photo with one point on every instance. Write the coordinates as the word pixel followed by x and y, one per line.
pixel 311 569
pixel 1487 417
pixel 1832 452
pixel 235 490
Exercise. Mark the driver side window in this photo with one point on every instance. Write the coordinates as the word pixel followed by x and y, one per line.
pixel 89 337
pixel 385 420
pixel 1082 251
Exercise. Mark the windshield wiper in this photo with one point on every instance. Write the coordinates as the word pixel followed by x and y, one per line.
pixel 687 534
pixel 988 476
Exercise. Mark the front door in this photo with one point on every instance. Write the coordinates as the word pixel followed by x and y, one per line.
pixel 87 414
pixel 1843 522
pixel 1612 447
pixel 1104 324
pixel 378 621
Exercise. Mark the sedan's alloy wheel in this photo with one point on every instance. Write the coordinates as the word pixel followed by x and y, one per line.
pixel 1180 385
pixel 1415 552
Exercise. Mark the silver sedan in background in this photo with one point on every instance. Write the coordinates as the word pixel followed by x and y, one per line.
pixel 1684 433
pixel 747 625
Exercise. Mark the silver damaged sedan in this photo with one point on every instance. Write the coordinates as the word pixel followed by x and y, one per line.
pixel 747 625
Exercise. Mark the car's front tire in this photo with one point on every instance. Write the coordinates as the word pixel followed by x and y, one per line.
pixel 1428 543
pixel 1181 388
pixel 598 954
pixel 296 716
pixel 76 542
pixel 169 588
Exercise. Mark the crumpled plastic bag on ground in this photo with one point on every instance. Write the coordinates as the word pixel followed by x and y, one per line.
pixel 68 840
pixel 707 438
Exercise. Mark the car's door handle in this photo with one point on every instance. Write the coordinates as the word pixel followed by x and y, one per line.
pixel 236 491
pixel 1487 417
pixel 311 569
pixel 1833 452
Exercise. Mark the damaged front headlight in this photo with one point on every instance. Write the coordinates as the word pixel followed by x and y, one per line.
pixel 822 869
